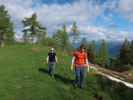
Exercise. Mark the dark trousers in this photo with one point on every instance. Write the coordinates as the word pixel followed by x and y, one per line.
pixel 80 75
pixel 51 68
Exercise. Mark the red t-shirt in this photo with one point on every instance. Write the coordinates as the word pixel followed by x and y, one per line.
pixel 80 59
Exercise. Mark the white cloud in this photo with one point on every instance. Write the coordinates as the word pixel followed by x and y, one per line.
pixel 96 33
pixel 82 11
pixel 55 15
pixel 126 9
pixel 52 16
pixel 18 9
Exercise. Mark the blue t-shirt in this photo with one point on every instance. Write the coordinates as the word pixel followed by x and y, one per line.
pixel 52 57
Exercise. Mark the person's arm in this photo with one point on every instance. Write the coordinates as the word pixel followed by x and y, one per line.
pixel 87 62
pixel 47 59
pixel 72 65
pixel 56 59
pixel 88 65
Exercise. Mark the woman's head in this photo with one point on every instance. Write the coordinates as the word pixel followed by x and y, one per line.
pixel 52 50
pixel 82 48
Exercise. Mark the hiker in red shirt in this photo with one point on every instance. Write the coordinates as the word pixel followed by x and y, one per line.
pixel 80 64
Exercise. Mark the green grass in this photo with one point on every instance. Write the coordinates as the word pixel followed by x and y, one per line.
pixel 22 78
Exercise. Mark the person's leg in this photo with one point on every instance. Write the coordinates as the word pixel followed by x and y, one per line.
pixel 83 73
pixel 77 76
pixel 53 69
pixel 49 68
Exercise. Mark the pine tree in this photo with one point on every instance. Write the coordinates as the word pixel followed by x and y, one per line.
pixel 103 56
pixel 61 38
pixel 74 33
pixel 57 38
pixel 84 42
pixel 124 55
pixel 131 52
pixel 92 52
pixel 6 26
pixel 33 29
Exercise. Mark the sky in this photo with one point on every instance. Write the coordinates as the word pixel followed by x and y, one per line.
pixel 96 19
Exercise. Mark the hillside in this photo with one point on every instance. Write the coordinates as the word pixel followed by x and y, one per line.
pixel 24 77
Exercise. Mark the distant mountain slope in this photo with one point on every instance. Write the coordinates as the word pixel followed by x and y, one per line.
pixel 113 47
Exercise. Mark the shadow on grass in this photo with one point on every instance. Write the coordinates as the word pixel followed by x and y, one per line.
pixel 43 70
pixel 57 77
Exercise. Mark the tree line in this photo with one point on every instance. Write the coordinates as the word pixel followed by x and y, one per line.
pixel 34 32
pixel 100 55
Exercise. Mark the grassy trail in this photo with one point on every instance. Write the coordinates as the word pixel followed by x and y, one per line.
pixel 23 76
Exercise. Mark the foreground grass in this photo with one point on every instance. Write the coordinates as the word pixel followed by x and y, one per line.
pixel 23 76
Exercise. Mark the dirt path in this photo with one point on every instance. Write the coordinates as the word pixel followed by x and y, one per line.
pixel 115 76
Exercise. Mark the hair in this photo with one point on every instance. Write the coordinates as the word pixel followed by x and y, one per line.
pixel 82 46
pixel 52 50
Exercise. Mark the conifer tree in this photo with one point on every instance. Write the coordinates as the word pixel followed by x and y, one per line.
pixel 103 57
pixel 6 26
pixel 33 29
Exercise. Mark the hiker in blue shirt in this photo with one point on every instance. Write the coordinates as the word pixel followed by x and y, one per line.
pixel 51 61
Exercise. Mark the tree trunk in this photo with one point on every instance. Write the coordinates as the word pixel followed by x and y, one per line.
pixel 25 37
pixel 2 39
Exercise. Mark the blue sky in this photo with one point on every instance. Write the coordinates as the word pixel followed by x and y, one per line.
pixel 96 19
